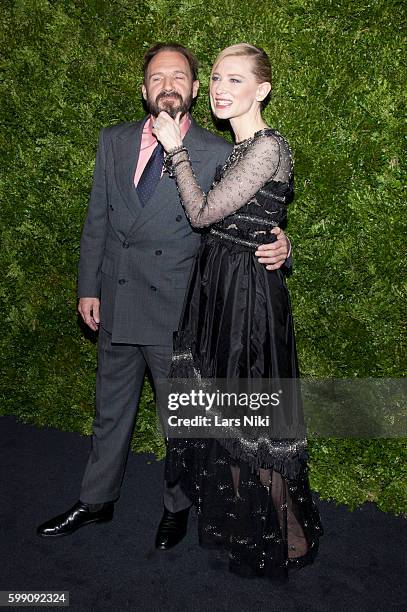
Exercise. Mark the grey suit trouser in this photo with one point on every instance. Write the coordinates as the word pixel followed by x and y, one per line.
pixel 119 380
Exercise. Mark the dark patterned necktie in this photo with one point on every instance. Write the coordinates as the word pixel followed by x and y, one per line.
pixel 151 175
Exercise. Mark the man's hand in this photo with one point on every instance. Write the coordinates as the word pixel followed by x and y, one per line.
pixel 274 254
pixel 167 130
pixel 89 308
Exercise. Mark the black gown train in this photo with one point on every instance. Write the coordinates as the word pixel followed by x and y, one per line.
pixel 254 500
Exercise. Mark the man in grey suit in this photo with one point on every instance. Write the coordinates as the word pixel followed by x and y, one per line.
pixel 137 249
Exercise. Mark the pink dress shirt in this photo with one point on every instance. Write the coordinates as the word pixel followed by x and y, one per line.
pixel 149 143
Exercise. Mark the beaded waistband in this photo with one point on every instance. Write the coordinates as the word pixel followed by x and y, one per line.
pixel 235 239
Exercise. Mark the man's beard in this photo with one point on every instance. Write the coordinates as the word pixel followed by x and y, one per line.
pixel 174 105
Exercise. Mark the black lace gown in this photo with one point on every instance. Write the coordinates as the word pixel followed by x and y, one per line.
pixel 253 500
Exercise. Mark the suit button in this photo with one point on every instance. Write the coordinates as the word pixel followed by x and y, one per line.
pixel 122 281
pixel 153 288
pixel 111 207
pixel 159 252
pixel 178 218
pixel 125 244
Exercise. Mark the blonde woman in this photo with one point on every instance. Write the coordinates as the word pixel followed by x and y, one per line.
pixel 255 501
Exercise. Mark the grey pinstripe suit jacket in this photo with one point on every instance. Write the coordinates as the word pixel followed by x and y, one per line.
pixel 138 260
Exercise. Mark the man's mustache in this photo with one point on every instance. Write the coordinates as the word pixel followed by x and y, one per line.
pixel 165 94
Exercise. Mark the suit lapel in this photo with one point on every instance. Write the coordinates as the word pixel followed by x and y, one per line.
pixel 195 141
pixel 125 154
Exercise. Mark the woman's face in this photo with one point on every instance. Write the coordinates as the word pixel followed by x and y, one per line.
pixel 233 88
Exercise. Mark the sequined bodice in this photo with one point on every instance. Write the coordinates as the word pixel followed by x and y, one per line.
pixel 251 224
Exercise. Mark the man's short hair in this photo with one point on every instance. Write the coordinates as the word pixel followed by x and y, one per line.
pixel 190 57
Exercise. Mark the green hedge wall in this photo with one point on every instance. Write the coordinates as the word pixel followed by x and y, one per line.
pixel 71 67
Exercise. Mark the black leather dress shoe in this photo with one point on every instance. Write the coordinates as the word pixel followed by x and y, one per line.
pixel 73 519
pixel 172 529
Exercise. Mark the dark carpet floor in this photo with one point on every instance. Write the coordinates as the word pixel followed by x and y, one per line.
pixel 114 566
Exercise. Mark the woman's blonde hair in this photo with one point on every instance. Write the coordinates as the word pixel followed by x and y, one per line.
pixel 260 61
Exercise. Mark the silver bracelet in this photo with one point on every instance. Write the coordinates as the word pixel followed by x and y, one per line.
pixel 168 163
pixel 170 154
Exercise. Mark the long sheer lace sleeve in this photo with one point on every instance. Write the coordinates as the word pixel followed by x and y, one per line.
pixel 266 157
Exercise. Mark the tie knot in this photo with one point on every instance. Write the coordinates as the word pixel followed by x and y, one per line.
pixel 159 150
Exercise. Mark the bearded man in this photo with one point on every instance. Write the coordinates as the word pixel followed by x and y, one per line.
pixel 137 249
